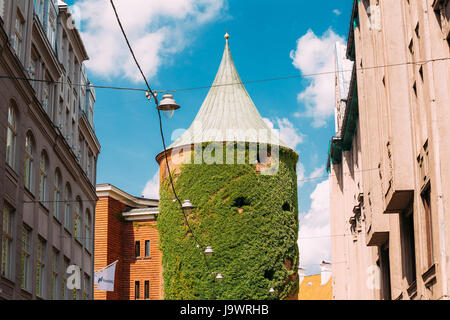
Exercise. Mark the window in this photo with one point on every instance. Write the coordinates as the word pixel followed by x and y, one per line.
pixel 385 272
pixel 137 249
pixel 40 267
pixel 45 96
pixel 39 9
pixel 64 289
pixel 2 8
pixel 67 207
pixel 428 224
pixel 408 247
pixel 73 141
pixel 11 137
pixel 17 36
pixel 67 125
pixel 43 179
pixel 147 248
pixel 136 290
pixel 28 174
pixel 147 290
pixel 77 226
pixel 86 287
pixel 57 195
pixel 25 278
pixel 80 155
pixel 7 242
pixel 90 166
pixel 87 230
pixel 91 111
pixel 33 71
pixel 442 11
pixel 55 275
pixel 51 28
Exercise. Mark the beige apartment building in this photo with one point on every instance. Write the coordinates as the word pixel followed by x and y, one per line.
pixel 389 160
pixel 48 153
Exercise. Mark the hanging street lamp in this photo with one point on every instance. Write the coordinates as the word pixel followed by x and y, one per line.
pixel 168 105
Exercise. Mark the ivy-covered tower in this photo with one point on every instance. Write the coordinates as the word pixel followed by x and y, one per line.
pixel 242 182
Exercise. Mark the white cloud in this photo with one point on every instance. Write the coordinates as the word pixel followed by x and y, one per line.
pixel 318 173
pixel 156 29
pixel 288 133
pixel 151 189
pixel 337 12
pixel 314 241
pixel 300 174
pixel 316 55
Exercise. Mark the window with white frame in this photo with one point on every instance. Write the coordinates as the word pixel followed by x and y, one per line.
pixel 11 137
pixel 25 276
pixel 28 174
pixel 43 197
pixel 40 267
pixel 17 35
pixel 7 242
pixel 57 195
pixel 55 275
pixel 77 226
pixel 67 207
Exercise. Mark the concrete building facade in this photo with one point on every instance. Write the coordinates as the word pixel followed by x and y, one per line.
pixel 389 168
pixel 126 230
pixel 48 152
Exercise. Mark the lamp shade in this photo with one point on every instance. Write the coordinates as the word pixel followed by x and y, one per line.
pixel 209 251
pixel 168 103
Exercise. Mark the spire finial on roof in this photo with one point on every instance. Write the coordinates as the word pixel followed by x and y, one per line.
pixel 226 34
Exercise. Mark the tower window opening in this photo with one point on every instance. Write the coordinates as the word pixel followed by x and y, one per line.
pixel 240 202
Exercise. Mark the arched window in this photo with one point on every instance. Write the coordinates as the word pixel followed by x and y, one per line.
pixel 43 197
pixel 11 137
pixel 57 195
pixel 87 230
pixel 67 207
pixel 28 174
pixel 77 226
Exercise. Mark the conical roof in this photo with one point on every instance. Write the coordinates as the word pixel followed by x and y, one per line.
pixel 228 113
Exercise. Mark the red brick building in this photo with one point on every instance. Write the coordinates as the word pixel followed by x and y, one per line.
pixel 125 230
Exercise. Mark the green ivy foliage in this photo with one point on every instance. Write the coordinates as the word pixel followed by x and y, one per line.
pixel 249 219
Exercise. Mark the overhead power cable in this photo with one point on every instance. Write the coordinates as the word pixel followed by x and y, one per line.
pixel 306 75
pixel 199 244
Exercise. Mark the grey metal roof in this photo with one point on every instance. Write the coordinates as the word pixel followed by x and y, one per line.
pixel 228 113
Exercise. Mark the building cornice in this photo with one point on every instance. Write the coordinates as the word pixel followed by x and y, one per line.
pixel 108 190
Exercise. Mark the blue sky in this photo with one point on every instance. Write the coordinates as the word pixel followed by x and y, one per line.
pixel 187 48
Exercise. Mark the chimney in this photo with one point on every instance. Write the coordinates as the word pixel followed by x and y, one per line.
pixel 301 275
pixel 325 272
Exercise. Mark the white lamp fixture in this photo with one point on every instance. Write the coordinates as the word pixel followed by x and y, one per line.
pixel 271 291
pixel 209 251
pixel 168 105
pixel 219 277
pixel 187 205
